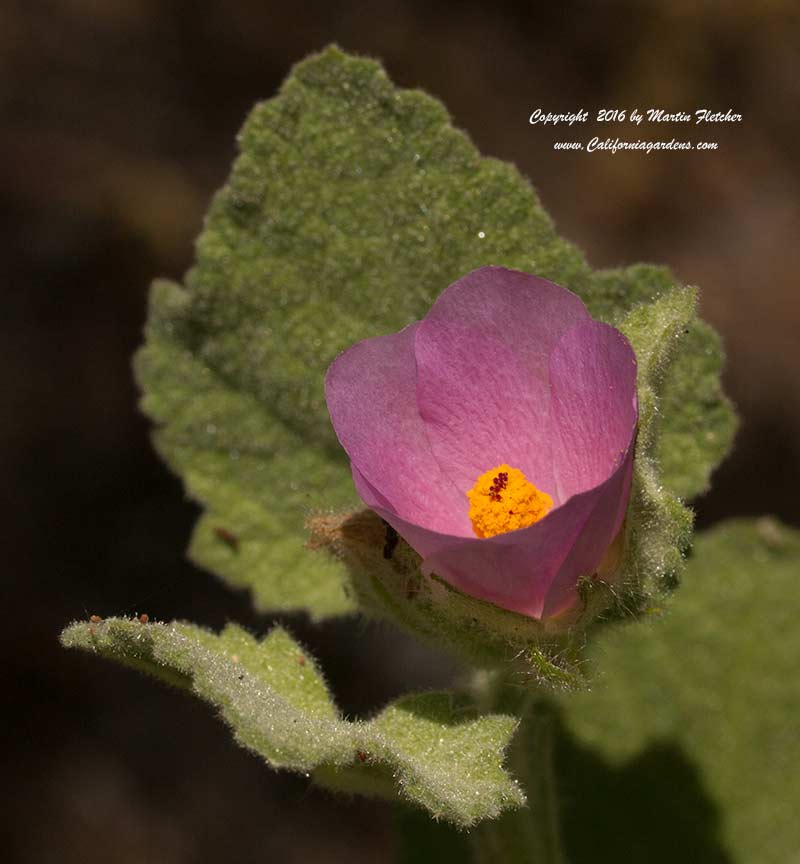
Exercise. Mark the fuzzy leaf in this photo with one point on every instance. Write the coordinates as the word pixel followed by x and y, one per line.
pixel 425 748
pixel 351 206
pixel 715 683
pixel 696 432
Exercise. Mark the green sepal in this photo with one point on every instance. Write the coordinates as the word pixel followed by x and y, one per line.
pixel 386 581
pixel 658 526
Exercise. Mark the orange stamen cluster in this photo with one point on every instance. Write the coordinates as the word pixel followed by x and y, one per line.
pixel 503 499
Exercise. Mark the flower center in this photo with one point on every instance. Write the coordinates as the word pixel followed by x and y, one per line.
pixel 503 499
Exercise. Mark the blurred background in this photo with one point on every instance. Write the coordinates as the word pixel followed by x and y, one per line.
pixel 119 118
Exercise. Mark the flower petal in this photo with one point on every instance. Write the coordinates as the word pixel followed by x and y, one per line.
pixel 422 540
pixel 601 527
pixel 593 415
pixel 483 379
pixel 505 368
pixel 534 571
pixel 593 408
pixel 371 394
pixel 515 570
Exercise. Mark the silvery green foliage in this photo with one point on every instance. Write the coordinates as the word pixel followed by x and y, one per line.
pixel 699 707
pixel 351 206
pixel 423 748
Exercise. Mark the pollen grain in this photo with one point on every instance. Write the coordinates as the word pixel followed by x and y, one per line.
pixel 503 499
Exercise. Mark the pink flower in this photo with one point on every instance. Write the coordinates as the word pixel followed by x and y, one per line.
pixel 496 436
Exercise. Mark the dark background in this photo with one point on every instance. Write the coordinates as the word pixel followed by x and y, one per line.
pixel 118 123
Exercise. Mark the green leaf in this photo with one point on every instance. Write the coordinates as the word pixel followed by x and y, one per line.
pixel 351 206
pixel 696 432
pixel 714 683
pixel 428 749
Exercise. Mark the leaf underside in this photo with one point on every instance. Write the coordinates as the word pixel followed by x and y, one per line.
pixel 351 206
pixel 426 749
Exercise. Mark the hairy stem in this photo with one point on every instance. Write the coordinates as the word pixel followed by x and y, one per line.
pixel 531 834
